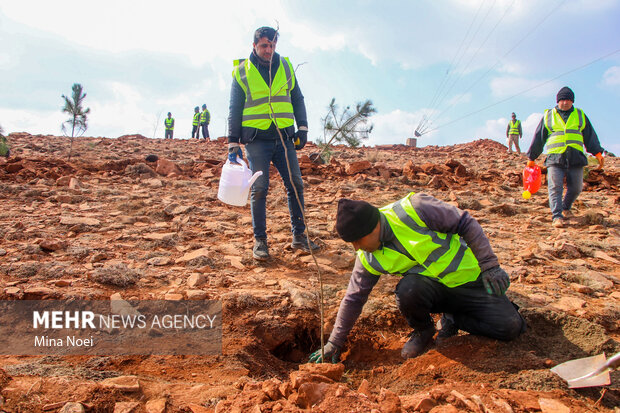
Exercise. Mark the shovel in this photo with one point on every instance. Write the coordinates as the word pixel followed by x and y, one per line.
pixel 588 371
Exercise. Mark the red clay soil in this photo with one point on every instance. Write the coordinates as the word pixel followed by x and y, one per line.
pixel 151 214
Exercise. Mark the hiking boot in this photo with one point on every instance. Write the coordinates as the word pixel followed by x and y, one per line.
pixel 260 250
pixel 301 242
pixel 418 341
pixel 568 213
pixel 557 223
pixel 447 328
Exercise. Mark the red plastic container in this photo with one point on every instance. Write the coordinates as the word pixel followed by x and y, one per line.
pixel 531 180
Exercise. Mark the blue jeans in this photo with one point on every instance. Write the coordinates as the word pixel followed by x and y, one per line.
pixel 555 182
pixel 261 153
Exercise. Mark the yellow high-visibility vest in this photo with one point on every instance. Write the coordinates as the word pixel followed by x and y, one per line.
pixel 562 135
pixel 262 104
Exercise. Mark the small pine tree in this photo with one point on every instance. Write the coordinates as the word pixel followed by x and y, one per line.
pixel 4 145
pixel 78 116
pixel 348 127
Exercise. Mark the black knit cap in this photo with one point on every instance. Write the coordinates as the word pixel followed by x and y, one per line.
pixel 565 93
pixel 355 219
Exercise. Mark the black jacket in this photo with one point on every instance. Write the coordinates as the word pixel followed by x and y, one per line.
pixel 571 158
pixel 237 133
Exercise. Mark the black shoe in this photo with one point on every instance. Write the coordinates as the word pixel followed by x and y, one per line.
pixel 301 242
pixel 418 341
pixel 447 327
pixel 260 250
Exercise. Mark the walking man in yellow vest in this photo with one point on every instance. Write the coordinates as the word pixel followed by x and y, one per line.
pixel 205 119
pixel 265 102
pixel 169 125
pixel 513 133
pixel 564 131
pixel 196 123
pixel 446 263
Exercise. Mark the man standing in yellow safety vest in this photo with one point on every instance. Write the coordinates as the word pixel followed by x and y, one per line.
pixel 169 125
pixel 196 123
pixel 513 133
pixel 564 131
pixel 265 102
pixel 446 265
pixel 205 119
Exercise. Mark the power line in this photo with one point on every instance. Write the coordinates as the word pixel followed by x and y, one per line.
pixel 453 64
pixel 471 60
pixel 525 91
pixel 536 26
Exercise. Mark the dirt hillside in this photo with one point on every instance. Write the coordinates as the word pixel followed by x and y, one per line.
pixel 109 222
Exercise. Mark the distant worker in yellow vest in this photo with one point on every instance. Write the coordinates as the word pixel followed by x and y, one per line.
pixel 564 131
pixel 169 125
pixel 205 119
pixel 196 123
pixel 257 112
pixel 446 265
pixel 513 133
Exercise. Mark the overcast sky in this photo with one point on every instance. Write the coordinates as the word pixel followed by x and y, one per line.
pixel 461 62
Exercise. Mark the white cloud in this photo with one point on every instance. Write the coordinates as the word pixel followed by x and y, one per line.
pixel 31 121
pixel 394 127
pixel 496 129
pixel 611 77
pixel 504 87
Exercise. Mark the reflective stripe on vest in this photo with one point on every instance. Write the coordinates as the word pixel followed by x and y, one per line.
pixel 514 127
pixel 418 250
pixel 257 112
pixel 169 123
pixel 203 116
pixel 196 120
pixel 562 135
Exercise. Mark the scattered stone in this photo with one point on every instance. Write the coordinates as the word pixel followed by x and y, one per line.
pixel 165 168
pixel 52 245
pixel 389 402
pixel 160 261
pixel 151 158
pixel 332 371
pixel 2 252
pixel 156 405
pixel 92 222
pixel 196 280
pixel 552 406
pixel 196 294
pixel 129 384
pixel 72 407
pixel 425 405
pixel 173 297
pixel 310 394
pixel 126 407
pixel 364 388
pixel 202 252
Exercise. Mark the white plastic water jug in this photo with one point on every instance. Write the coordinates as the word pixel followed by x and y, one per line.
pixel 235 183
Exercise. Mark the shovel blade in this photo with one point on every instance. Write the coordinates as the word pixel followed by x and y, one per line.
pixel 573 372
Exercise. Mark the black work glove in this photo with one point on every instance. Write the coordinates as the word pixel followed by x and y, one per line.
pixel 300 139
pixel 495 280
pixel 234 150
pixel 330 351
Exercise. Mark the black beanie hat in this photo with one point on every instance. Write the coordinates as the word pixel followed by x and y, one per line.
pixel 565 93
pixel 355 219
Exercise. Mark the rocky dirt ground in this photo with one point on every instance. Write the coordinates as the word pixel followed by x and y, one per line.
pixel 111 224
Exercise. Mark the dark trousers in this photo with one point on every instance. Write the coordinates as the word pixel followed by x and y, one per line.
pixel 195 132
pixel 168 134
pixel 205 130
pixel 474 310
